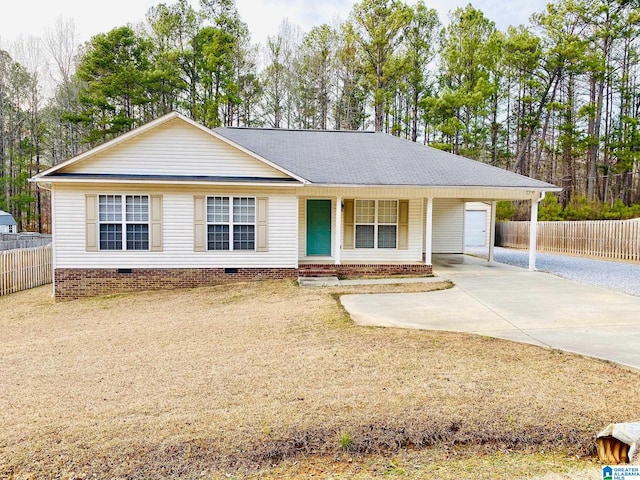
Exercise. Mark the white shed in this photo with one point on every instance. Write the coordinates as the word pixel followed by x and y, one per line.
pixel 7 223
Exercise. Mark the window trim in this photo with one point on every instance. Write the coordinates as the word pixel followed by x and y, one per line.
pixel 232 223
pixel 124 222
pixel 376 223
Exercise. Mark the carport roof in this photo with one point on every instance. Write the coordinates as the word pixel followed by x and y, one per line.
pixel 340 157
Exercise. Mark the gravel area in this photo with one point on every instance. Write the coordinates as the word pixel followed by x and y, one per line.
pixel 619 276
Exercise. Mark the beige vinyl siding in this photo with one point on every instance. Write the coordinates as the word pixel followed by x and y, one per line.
pixel 448 225
pixel 175 148
pixel 178 231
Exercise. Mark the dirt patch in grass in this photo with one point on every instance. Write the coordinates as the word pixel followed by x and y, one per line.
pixel 458 463
pixel 248 379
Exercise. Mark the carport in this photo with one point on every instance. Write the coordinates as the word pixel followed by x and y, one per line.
pixel 449 220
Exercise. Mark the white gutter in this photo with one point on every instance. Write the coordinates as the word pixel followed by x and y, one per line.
pixel 435 187
pixel 51 180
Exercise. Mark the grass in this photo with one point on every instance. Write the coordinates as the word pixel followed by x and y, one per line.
pixel 268 380
pixel 346 442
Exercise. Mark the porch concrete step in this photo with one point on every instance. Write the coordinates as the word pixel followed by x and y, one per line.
pixel 318 281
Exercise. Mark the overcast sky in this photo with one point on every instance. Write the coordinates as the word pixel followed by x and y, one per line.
pixel 31 17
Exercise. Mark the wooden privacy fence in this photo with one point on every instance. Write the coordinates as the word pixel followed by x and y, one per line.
pixel 615 239
pixel 24 268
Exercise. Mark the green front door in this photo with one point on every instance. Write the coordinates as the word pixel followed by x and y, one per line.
pixel 319 227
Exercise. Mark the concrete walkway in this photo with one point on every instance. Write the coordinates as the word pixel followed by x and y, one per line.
pixel 509 302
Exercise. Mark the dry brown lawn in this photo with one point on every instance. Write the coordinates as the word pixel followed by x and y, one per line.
pixel 269 380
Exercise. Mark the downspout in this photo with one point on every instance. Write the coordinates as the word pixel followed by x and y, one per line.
pixel 533 230
pixel 337 232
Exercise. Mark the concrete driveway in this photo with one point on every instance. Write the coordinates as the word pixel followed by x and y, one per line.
pixel 503 301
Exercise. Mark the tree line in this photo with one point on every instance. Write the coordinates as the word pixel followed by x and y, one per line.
pixel 557 99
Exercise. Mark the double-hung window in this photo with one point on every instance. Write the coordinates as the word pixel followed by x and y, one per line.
pixel 123 222
pixel 376 223
pixel 231 223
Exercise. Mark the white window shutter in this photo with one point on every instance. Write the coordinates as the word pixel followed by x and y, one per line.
pixel 156 223
pixel 262 224
pixel 349 225
pixel 403 225
pixel 91 222
pixel 200 223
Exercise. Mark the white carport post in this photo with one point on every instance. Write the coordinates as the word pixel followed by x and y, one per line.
pixel 338 231
pixel 428 231
pixel 533 231
pixel 492 230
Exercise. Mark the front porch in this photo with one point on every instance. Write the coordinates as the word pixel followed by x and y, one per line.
pixel 385 232
pixel 380 233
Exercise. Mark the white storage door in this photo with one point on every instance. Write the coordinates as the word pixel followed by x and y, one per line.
pixel 475 228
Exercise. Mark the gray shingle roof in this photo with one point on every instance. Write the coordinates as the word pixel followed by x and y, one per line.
pixel 6 218
pixel 368 158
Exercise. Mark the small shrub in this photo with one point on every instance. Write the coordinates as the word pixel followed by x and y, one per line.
pixel 346 441
pixel 550 209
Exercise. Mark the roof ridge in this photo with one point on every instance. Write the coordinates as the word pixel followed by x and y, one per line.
pixel 296 129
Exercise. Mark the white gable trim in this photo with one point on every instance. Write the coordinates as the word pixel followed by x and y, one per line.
pixel 143 181
pixel 149 126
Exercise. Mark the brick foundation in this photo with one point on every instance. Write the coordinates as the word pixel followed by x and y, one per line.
pixel 364 270
pixel 73 283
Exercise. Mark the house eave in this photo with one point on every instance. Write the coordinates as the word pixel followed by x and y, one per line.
pixel 60 178
pixel 532 189
pixel 157 180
